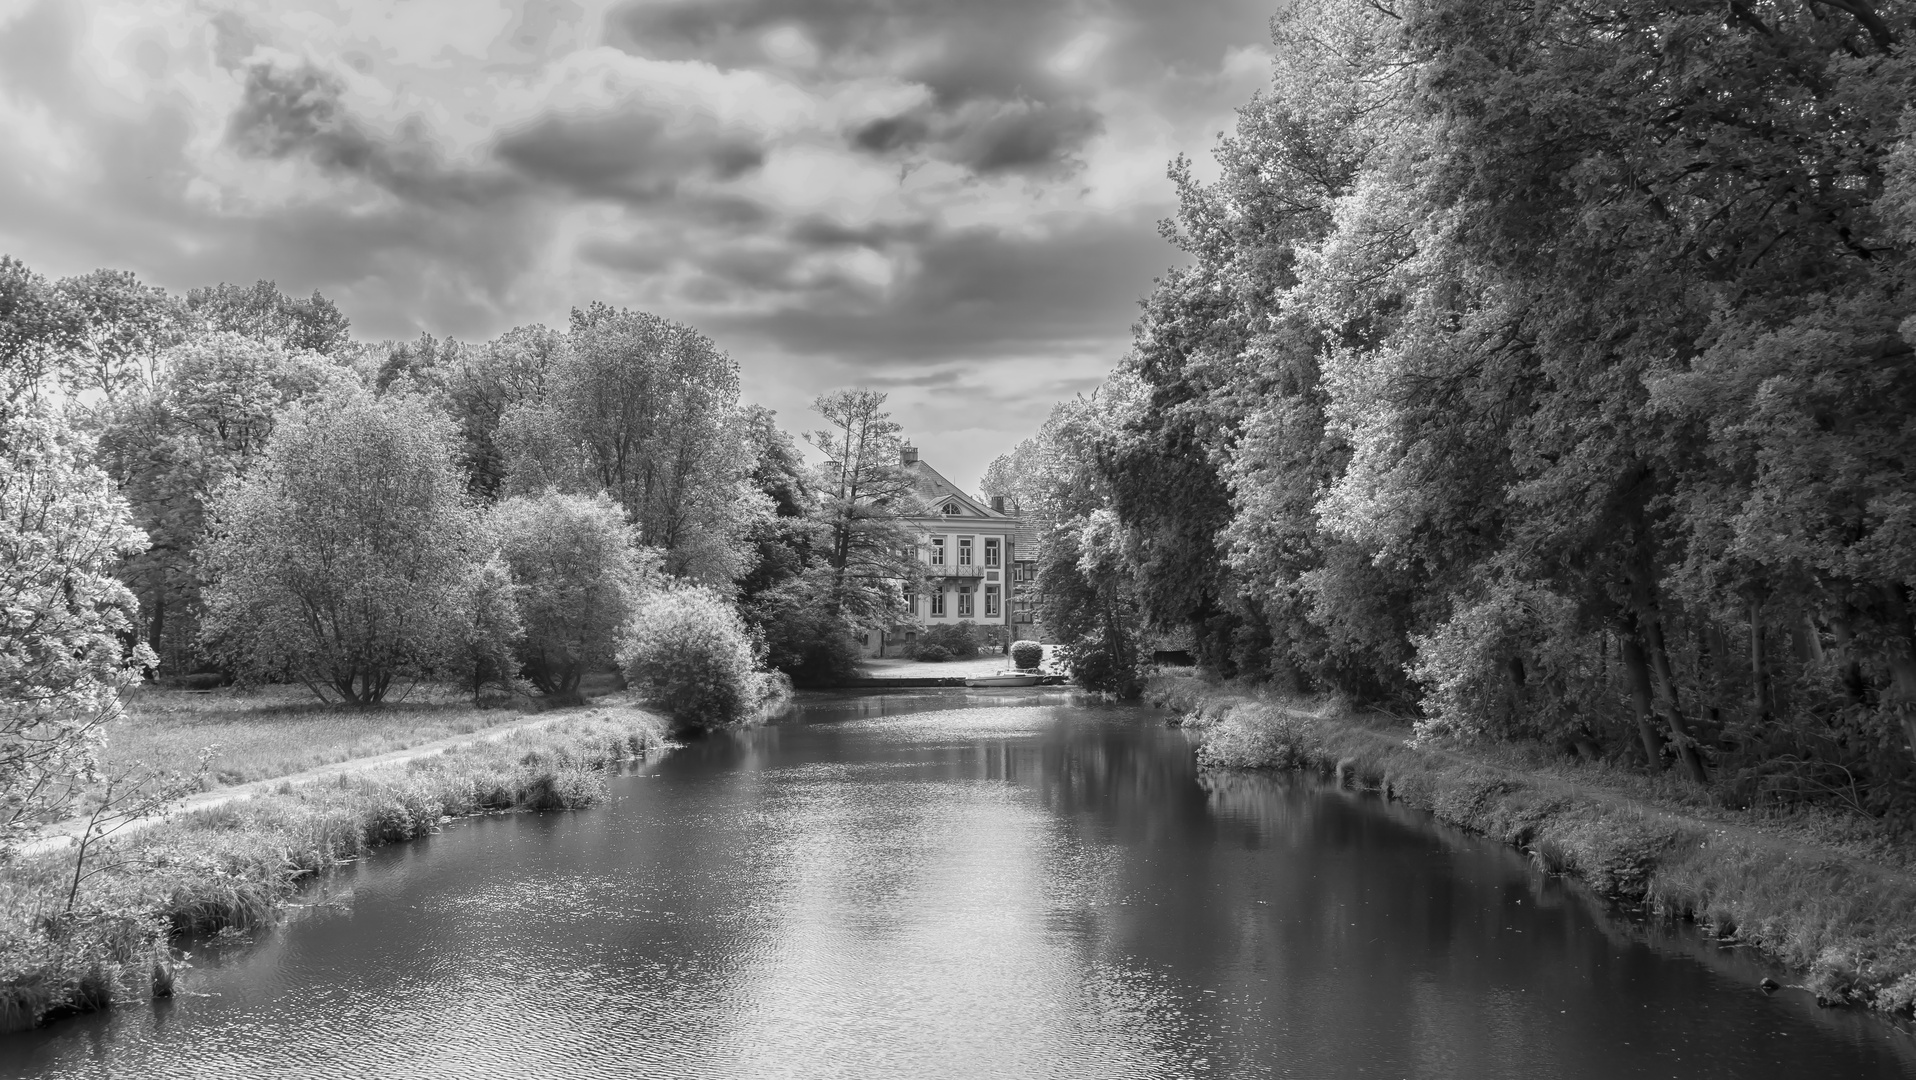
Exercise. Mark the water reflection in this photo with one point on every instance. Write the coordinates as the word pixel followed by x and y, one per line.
pixel 996 884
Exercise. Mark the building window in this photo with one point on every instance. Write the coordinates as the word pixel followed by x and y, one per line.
pixel 991 601
pixel 964 601
pixel 938 603
pixel 951 509
pixel 964 551
pixel 991 551
pixel 938 551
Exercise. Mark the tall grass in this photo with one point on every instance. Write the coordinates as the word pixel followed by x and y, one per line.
pixel 235 865
pixel 1831 898
pixel 277 730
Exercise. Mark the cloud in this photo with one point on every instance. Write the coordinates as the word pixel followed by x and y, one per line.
pixel 285 112
pixel 632 156
pixel 952 199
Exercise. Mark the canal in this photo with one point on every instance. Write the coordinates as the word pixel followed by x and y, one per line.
pixel 962 885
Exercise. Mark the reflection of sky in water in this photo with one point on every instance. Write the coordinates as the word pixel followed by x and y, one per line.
pixel 1004 889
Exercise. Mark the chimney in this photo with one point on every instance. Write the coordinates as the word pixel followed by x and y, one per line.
pixel 998 503
pixel 909 455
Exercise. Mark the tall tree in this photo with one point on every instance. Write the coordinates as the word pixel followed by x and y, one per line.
pixel 645 410
pixel 263 313
pixel 63 613
pixel 344 559
pixel 865 494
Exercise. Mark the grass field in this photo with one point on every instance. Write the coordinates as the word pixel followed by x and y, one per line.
pixel 279 730
pixel 1830 896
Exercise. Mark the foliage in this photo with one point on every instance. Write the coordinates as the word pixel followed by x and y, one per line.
pixel 265 314
pixel 864 494
pixel 577 572
pixel 199 424
pixel 1545 370
pixel 958 640
pixel 930 653
pixel 63 616
pixel 342 559
pixel 1027 654
pixel 801 637
pixel 645 410
pixel 689 654
pixel 494 630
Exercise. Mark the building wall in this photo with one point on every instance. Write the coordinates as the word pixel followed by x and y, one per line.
pixel 986 587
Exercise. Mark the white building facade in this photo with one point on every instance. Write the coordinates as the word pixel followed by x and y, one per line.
pixel 968 554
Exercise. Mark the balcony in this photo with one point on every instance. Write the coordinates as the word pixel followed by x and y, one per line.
pixel 962 573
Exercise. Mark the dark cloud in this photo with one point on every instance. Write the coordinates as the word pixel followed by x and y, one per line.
pixel 996 106
pixel 988 137
pixel 973 294
pixel 628 155
pixel 299 111
pixel 890 133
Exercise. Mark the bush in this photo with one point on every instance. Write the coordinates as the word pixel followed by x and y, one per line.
pixel 957 639
pixel 688 653
pixel 576 570
pixel 1027 654
pixel 803 639
pixel 931 654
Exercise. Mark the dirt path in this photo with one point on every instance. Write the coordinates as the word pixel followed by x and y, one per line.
pixel 66 833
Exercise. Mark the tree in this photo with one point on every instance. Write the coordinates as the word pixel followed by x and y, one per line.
pixel 865 495
pixel 123 328
pixel 263 313
pixel 1086 590
pixel 342 561
pixel 578 573
pixel 63 615
pixel 173 443
pixel 37 330
pixel 645 410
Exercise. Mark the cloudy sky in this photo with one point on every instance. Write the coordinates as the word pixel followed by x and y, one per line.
pixel 950 200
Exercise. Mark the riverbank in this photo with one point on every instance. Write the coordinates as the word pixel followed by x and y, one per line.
pixel 1830 898
pixel 75 940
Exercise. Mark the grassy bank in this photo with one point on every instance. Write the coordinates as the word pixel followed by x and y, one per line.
pixel 1829 897
pixel 235 865
pixel 279 730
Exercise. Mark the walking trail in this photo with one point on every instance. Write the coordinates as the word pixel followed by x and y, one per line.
pixel 67 833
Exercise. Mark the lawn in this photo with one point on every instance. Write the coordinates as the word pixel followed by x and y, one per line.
pixel 275 731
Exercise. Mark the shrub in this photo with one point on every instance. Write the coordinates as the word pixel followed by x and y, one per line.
pixel 1027 654
pixel 803 639
pixel 576 569
pixel 959 640
pixel 688 654
pixel 931 654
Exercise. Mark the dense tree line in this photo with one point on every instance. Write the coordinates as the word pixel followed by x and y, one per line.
pixel 1547 370
pixel 228 482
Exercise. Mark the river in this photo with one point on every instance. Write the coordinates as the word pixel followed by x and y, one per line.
pixel 984 885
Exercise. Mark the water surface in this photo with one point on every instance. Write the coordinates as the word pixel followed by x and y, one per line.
pixel 1001 885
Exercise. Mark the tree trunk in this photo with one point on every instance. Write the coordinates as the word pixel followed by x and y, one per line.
pixel 1847 658
pixel 1759 666
pixel 1638 673
pixel 158 631
pixel 1666 692
pixel 1809 642
pixel 1902 660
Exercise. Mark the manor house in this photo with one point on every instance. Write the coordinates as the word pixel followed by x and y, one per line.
pixel 974 556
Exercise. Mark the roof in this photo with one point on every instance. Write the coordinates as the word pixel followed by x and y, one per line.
pixel 939 492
